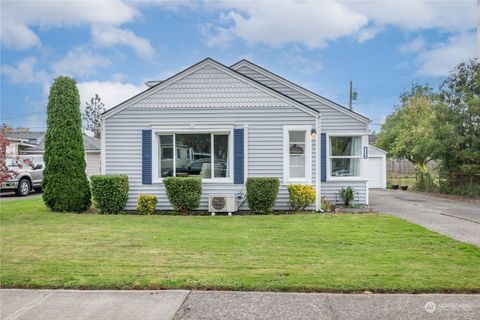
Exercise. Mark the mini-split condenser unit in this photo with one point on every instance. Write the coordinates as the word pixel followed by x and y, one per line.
pixel 222 203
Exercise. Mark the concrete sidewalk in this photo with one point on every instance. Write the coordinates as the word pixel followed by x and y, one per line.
pixel 183 304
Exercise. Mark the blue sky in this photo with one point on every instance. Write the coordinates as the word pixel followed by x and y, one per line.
pixel 112 47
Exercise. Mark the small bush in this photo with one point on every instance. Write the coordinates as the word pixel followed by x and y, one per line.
pixel 300 196
pixel 347 196
pixel 326 205
pixel 183 192
pixel 146 204
pixel 110 193
pixel 262 193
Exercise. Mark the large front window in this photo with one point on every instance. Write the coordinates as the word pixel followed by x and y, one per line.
pixel 196 154
pixel 345 156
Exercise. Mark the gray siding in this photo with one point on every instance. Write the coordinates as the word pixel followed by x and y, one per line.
pixel 265 145
pixel 208 96
pixel 331 119
pixel 331 189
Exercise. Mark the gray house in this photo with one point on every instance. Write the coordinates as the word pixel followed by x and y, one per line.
pixel 230 123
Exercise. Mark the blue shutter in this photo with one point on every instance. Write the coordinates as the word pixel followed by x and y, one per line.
pixel 238 156
pixel 146 156
pixel 323 156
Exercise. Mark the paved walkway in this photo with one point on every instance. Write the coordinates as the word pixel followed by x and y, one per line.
pixel 183 304
pixel 453 218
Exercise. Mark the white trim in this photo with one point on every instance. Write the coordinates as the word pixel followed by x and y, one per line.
pixel 299 89
pixel 318 183
pixel 166 130
pixel 308 154
pixel 102 147
pixel 194 68
pixel 363 162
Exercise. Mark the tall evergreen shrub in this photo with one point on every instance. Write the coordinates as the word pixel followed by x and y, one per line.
pixel 65 183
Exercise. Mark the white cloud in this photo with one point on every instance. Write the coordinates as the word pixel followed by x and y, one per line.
pixel 314 23
pixel 111 36
pixel 442 58
pixel 19 16
pixel 80 62
pixel 17 35
pixel 419 14
pixel 416 45
pixel 25 73
pixel 111 93
pixel 309 23
pixel 301 63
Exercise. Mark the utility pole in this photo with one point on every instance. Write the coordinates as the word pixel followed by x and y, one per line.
pixel 352 96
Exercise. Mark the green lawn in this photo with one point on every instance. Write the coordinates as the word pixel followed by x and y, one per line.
pixel 334 253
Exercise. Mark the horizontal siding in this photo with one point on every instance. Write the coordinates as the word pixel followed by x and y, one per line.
pixel 265 145
pixel 331 119
pixel 331 190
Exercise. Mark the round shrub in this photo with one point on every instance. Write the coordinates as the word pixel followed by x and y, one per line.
pixel 183 192
pixel 110 192
pixel 146 204
pixel 300 196
pixel 65 183
pixel 262 193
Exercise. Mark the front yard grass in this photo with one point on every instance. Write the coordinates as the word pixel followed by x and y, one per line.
pixel 311 252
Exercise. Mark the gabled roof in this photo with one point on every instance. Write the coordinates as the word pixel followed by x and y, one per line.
pixel 300 89
pixel 31 137
pixel 210 62
pixel 377 149
pixel 89 144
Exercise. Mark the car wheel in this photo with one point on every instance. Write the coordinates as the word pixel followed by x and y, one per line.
pixel 23 188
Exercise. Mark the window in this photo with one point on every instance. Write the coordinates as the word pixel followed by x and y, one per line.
pixel 345 156
pixel 297 154
pixel 197 154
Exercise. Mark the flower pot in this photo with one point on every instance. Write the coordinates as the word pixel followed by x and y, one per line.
pixel 404 188
pixel 395 186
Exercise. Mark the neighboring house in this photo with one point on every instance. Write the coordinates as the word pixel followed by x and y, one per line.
pixel 240 121
pixel 33 143
pixel 19 140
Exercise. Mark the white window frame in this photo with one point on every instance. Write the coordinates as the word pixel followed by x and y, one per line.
pixel 360 177
pixel 156 132
pixel 308 155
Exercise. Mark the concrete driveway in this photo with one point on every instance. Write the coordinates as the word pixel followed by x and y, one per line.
pixel 453 218
pixel 211 305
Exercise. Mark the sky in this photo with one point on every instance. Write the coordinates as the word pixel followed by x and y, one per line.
pixel 113 47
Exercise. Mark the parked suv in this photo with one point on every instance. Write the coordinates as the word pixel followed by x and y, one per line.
pixel 27 174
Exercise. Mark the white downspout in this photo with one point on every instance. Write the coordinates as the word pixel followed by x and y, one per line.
pixel 318 194
pixel 102 146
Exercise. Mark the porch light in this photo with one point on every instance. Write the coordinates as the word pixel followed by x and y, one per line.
pixel 313 134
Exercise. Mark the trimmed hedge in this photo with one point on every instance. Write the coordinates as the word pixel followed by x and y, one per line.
pixel 183 192
pixel 262 194
pixel 300 196
pixel 110 192
pixel 146 204
pixel 65 183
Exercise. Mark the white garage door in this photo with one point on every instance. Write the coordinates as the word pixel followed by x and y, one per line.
pixel 375 173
